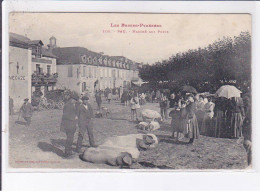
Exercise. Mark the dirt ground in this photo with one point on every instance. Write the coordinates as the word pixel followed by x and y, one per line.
pixel 42 144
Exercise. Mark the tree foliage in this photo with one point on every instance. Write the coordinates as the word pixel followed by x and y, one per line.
pixel 226 61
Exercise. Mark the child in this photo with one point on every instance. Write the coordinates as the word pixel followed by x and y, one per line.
pixel 109 97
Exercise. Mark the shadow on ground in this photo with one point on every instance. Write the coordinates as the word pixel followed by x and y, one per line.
pixel 20 122
pixel 56 146
pixel 169 139
pixel 165 127
pixel 46 147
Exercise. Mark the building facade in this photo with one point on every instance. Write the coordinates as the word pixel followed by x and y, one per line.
pixel 82 70
pixel 31 68
pixel 19 70
pixel 44 71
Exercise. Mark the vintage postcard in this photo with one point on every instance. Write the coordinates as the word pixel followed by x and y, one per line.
pixel 129 91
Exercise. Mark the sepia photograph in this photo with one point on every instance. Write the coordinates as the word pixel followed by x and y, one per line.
pixel 137 91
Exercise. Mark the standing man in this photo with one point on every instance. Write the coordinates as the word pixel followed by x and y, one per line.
pixel 85 123
pixel 163 102
pixel 121 90
pixel 98 100
pixel 27 111
pixel 68 123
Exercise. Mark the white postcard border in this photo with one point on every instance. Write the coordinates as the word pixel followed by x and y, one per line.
pixel 31 178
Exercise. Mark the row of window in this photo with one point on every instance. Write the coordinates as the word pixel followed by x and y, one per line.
pixel 39 70
pixel 94 72
pixel 105 61
pixel 103 85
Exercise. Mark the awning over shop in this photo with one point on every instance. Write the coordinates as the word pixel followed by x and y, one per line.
pixel 138 82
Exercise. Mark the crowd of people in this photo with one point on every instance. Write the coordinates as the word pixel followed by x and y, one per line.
pixel 79 112
pixel 191 115
pixel 213 116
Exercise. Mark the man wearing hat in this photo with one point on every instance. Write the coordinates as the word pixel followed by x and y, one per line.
pixel 68 123
pixel 85 123
pixel 27 111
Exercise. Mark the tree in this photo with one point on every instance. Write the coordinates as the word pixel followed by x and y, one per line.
pixel 223 62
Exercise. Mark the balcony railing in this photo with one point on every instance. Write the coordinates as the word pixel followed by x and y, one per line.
pixel 44 79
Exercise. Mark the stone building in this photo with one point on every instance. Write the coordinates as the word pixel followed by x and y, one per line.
pixel 20 65
pixel 32 67
pixel 83 70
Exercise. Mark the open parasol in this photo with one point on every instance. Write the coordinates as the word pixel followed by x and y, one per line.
pixel 228 91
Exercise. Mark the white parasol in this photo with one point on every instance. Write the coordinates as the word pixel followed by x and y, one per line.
pixel 228 91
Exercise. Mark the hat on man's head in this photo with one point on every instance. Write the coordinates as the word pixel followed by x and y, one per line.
pixel 125 159
pixel 74 96
pixel 85 98
pixel 26 99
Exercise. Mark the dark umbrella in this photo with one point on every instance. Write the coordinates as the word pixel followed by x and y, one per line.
pixel 188 89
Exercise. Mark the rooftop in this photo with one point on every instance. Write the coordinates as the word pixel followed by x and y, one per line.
pixel 24 42
pixel 48 53
pixel 73 55
pixel 19 40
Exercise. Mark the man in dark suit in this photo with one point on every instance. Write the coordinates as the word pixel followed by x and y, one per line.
pixel 68 124
pixel 85 123
pixel 98 100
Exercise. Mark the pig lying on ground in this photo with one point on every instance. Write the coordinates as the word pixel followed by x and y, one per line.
pixel 120 148
pixel 154 126
pixel 151 115
pixel 143 126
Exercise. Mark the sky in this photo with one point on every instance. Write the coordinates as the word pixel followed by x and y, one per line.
pixel 94 32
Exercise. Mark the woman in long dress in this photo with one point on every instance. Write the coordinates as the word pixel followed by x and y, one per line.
pixel 200 110
pixel 236 109
pixel 173 100
pixel 206 126
pixel 179 121
pixel 192 127
pixel 220 115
